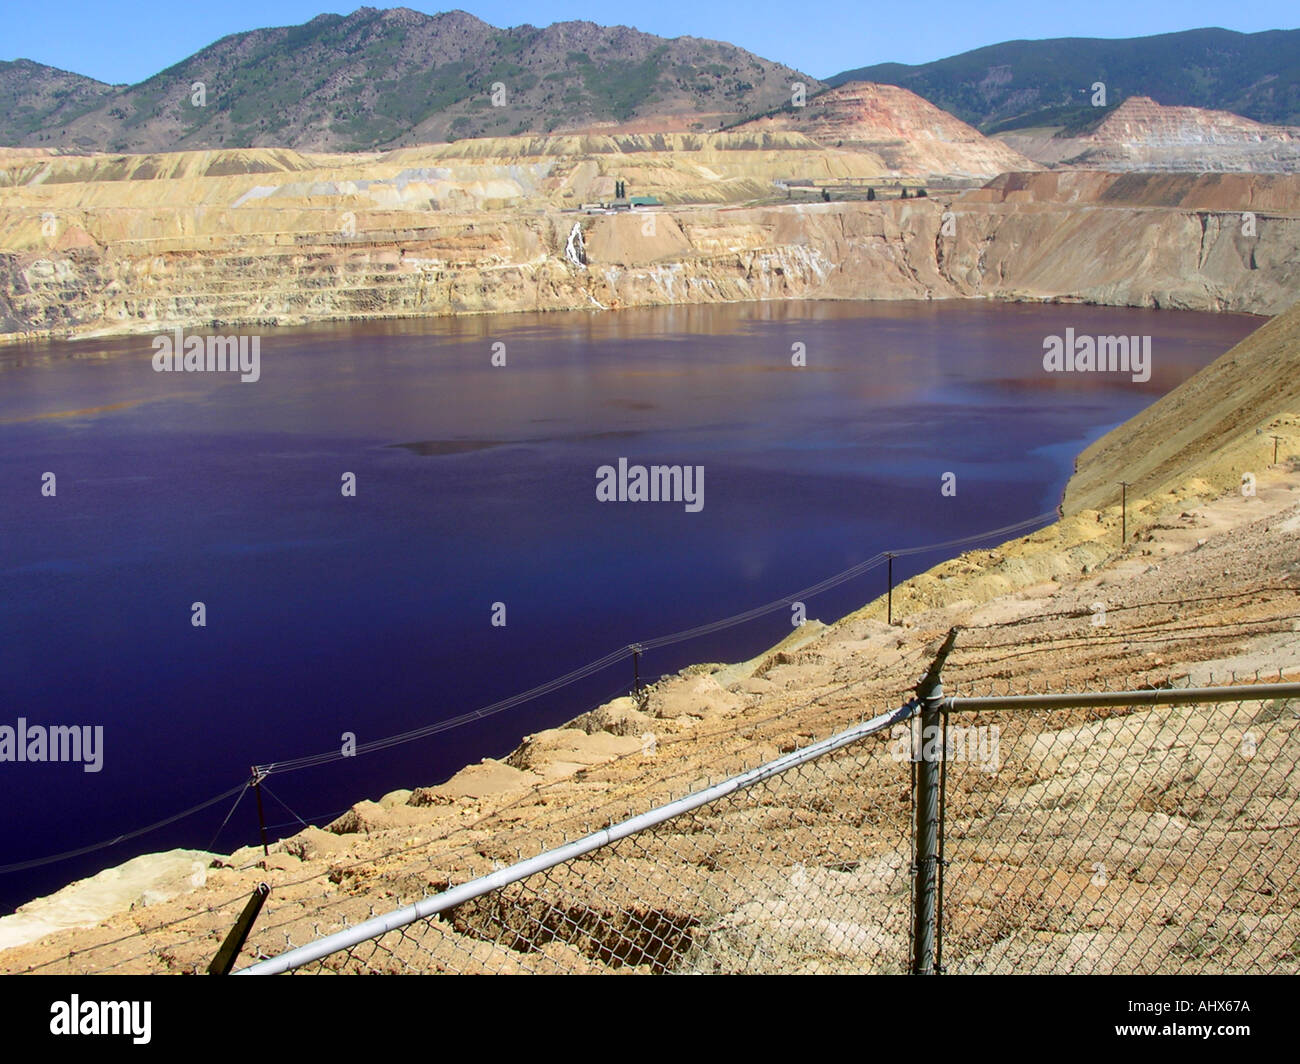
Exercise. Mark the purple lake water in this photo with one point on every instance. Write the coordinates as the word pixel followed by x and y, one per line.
pixel 475 485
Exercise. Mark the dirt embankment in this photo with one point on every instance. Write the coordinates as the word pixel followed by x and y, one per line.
pixel 1207 584
pixel 1221 423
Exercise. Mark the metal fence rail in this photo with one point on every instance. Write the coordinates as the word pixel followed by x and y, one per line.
pixel 1119 831
pixel 764 872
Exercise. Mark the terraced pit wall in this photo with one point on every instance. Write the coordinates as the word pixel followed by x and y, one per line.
pixel 1203 242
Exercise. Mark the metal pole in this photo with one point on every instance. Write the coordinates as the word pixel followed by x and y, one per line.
pixel 925 889
pixel 261 816
pixel 943 820
pixel 229 951
pixel 1275 439
pixel 476 888
pixel 636 670
pixel 1151 696
pixel 927 835
pixel 1123 511
pixel 889 608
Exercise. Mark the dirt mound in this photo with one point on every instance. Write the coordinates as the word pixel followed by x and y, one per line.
pixel 629 239
pixel 912 135
pixel 1140 120
pixel 1141 134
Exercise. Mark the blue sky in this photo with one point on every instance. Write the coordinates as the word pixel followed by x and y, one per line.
pixel 126 42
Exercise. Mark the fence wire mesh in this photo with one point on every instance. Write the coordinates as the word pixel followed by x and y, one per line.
pixel 1143 840
pixel 806 871
pixel 1132 839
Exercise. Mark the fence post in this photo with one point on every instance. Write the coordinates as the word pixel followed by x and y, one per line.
pixel 926 803
pixel 889 608
pixel 261 815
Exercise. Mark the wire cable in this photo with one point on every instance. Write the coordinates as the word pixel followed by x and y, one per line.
pixel 22 866
pixel 240 798
pixel 326 757
pixel 622 654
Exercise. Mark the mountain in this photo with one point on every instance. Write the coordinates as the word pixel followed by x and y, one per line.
pixel 909 134
pixel 33 96
pixel 396 77
pixel 1020 84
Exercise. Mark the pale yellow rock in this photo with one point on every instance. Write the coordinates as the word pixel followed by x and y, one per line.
pixel 145 880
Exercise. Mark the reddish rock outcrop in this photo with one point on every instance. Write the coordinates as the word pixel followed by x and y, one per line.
pixel 910 134
pixel 1141 134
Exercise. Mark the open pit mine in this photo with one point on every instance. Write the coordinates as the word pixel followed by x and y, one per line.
pixel 873 194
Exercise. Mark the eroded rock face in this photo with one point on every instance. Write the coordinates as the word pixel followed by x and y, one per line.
pixel 1013 245
pixel 89 246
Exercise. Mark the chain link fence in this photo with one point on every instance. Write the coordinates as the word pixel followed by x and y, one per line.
pixel 801 865
pixel 1124 839
pixel 1087 833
